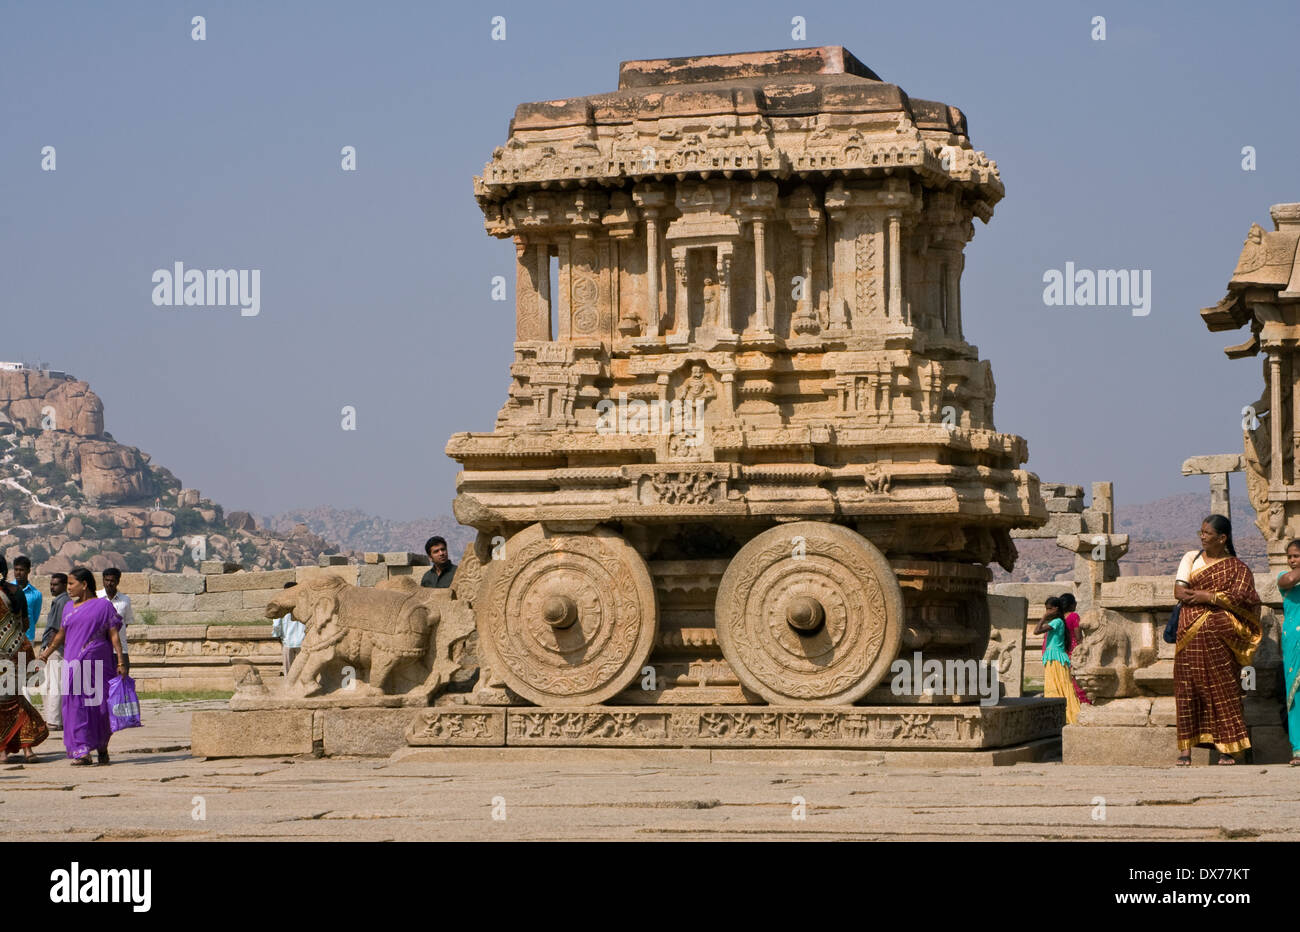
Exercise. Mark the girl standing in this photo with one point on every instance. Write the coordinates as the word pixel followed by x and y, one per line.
pixel 1056 659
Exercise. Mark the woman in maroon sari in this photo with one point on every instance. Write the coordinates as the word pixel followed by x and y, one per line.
pixel 21 726
pixel 89 639
pixel 1218 631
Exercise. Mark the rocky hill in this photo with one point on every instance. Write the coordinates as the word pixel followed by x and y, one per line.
pixel 72 495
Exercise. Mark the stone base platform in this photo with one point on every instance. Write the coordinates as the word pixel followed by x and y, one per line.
pixel 1024 729
pixel 1043 749
pixel 1141 731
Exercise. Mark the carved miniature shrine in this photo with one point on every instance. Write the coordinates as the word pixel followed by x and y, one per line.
pixel 1264 292
pixel 747 454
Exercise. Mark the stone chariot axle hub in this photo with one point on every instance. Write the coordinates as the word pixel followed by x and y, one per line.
pixel 746 454
pixel 805 615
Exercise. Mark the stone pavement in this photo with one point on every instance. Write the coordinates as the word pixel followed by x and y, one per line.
pixel 154 790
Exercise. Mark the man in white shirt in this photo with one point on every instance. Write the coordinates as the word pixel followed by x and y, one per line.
pixel 121 602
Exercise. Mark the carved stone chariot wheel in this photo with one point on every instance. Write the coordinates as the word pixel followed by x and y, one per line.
pixel 809 612
pixel 567 619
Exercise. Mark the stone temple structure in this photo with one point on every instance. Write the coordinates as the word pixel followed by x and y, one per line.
pixel 746 473
pixel 1264 292
pixel 745 441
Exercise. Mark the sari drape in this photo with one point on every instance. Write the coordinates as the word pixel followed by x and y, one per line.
pixel 1072 629
pixel 1214 642
pixel 1291 663
pixel 88 664
pixel 21 726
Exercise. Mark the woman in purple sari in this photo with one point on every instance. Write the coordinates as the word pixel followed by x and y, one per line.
pixel 89 639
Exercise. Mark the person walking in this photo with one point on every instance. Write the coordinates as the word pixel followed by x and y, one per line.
pixel 1218 632
pixel 53 691
pixel 21 726
pixel 22 574
pixel 91 643
pixel 122 602
pixel 16 598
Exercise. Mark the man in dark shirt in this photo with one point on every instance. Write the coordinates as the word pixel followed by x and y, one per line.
pixel 440 575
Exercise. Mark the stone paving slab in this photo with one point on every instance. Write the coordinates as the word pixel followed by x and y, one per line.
pixel 154 790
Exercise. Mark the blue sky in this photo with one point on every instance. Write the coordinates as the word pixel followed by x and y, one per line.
pixel 375 284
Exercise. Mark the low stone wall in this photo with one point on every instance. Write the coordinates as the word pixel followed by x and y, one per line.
pixel 204 625
pixel 190 658
pixel 1127 669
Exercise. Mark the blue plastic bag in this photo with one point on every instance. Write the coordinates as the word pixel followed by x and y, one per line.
pixel 123 706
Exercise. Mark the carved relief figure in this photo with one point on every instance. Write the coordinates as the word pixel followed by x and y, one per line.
pixel 710 320
pixel 1102 662
pixel 390 638
pixel 697 391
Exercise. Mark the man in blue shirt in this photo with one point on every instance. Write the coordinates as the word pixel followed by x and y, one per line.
pixel 22 570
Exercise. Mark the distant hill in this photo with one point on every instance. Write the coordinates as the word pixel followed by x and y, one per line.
pixel 71 495
pixel 1160 532
pixel 358 531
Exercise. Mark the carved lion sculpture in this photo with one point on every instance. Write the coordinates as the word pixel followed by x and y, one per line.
pixel 1103 661
pixel 397 641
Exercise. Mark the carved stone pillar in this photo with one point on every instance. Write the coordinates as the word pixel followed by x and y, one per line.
pixel 952 286
pixel 805 219
pixel 652 272
pixel 1220 503
pixel 544 291
pixel 885 386
pixel 621 225
pixel 564 296
pixel 1293 364
pixel 728 382
pixel 762 325
pixel 805 320
pixel 1218 467
pixel 895 307
pixel 758 201
pixel 841 272
pixel 527 326
pixel 1275 416
pixel 681 306
pixel 651 200
pixel 725 323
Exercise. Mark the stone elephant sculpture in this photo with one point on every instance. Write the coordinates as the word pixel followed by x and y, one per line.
pixel 396 641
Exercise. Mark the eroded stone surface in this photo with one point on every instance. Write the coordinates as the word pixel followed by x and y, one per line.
pixel 624 793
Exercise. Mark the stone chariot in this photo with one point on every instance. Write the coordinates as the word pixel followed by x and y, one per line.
pixel 746 466
pixel 747 455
